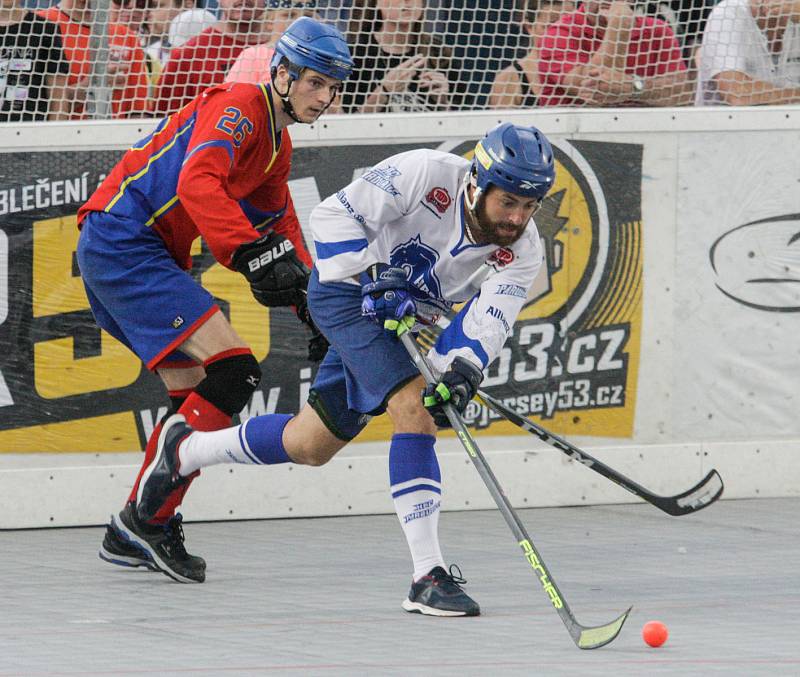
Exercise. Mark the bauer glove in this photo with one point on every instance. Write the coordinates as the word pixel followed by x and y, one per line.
pixel 270 264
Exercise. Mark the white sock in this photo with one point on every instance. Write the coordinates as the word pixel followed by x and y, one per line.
pixel 416 485
pixel 418 512
pixel 200 450
pixel 258 441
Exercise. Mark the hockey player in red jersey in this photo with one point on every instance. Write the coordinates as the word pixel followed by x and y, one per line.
pixel 217 168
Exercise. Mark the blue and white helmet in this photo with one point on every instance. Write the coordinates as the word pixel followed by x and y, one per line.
pixel 516 159
pixel 311 44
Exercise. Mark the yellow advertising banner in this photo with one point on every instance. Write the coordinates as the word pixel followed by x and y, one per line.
pixel 66 386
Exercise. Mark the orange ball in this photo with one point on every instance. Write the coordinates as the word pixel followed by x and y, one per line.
pixel 655 633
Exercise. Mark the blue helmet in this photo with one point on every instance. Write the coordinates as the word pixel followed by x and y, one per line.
pixel 311 44
pixel 515 159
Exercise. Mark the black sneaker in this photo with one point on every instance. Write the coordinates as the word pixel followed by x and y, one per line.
pixel 162 543
pixel 161 477
pixel 117 551
pixel 440 594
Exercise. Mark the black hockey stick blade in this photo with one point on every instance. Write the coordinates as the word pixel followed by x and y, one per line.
pixel 703 494
pixel 584 637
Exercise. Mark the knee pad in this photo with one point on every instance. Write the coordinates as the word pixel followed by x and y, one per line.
pixel 230 381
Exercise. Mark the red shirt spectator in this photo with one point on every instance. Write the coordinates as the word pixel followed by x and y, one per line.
pixel 205 60
pixel 127 100
pixel 202 62
pixel 576 39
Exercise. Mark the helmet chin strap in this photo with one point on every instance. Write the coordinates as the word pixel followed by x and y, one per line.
pixel 470 180
pixel 287 105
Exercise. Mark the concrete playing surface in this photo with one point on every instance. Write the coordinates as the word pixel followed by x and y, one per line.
pixel 322 597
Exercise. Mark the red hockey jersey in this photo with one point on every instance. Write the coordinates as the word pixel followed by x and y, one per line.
pixel 217 168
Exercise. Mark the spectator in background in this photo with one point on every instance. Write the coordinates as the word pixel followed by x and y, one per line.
pixel 750 54
pixel 253 64
pixel 205 59
pixel 159 18
pixel 133 15
pixel 603 54
pixel 189 23
pixel 127 76
pixel 518 85
pixel 687 18
pixel 399 67
pixel 33 68
pixel 485 37
pixel 335 13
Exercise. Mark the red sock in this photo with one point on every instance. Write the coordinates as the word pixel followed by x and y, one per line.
pixel 152 441
pixel 201 415
pixel 149 454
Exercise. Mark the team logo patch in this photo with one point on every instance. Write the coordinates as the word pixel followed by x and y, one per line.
pixel 177 322
pixel 500 258
pixel 439 198
pixel 381 177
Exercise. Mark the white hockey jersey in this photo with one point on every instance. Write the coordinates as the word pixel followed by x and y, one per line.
pixel 409 211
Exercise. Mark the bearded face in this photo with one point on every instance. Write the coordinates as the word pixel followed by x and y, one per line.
pixel 502 216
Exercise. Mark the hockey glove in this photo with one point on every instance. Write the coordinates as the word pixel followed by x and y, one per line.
pixel 270 264
pixel 457 386
pixel 387 296
pixel 317 344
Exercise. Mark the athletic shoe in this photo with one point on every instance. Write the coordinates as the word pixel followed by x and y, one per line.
pixel 161 477
pixel 162 543
pixel 440 594
pixel 117 551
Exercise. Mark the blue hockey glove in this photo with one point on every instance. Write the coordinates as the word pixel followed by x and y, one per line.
pixel 457 386
pixel 387 296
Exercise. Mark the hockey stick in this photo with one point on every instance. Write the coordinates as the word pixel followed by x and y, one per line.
pixel 584 637
pixel 703 494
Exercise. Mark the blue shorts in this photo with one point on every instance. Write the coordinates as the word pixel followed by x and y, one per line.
pixel 364 365
pixel 137 291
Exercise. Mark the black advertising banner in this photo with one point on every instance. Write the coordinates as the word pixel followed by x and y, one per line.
pixel 66 386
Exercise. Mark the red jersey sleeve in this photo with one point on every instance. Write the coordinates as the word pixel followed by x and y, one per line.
pixel 289 227
pixel 274 196
pixel 224 156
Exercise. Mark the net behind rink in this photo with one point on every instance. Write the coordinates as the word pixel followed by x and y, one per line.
pixel 97 59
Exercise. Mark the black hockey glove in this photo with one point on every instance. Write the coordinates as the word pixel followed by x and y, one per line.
pixel 270 264
pixel 317 344
pixel 457 386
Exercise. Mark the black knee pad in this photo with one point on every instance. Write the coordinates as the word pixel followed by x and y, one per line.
pixel 230 382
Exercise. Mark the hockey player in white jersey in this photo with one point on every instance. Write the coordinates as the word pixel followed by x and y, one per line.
pixel 416 234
